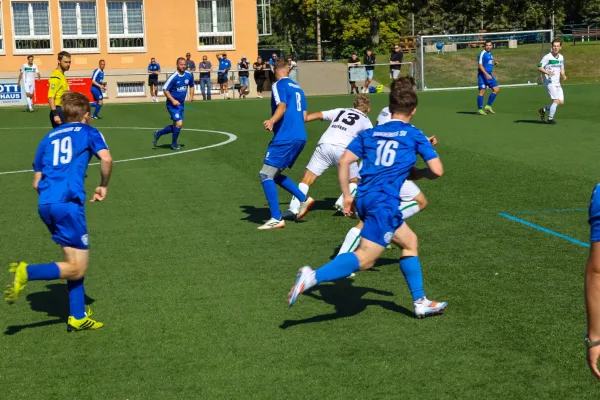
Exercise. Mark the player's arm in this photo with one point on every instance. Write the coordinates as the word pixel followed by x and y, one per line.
pixel 592 302
pixel 313 116
pixel 434 170
pixel 344 177
pixel 106 165
pixel 38 165
pixel 20 77
pixel 192 89
pixel 51 98
pixel 168 95
pixel 541 67
pixel 37 177
pixel 39 76
pixel 562 73
pixel 94 83
pixel 277 115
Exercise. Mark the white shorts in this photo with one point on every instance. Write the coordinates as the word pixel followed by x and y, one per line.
pixel 409 191
pixel 29 87
pixel 394 73
pixel 555 92
pixel 328 155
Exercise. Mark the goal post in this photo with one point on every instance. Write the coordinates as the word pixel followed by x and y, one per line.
pixel 450 61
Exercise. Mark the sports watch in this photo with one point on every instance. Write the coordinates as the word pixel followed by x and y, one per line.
pixel 589 344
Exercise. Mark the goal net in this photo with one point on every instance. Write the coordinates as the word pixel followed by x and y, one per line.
pixel 451 61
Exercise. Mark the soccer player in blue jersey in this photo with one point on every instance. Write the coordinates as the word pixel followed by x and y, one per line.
pixel 288 106
pixel 592 285
pixel 60 167
pixel 176 90
pixel 389 153
pixel 153 71
pixel 98 88
pixel 223 75
pixel 485 79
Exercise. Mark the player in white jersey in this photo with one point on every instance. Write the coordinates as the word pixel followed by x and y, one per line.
pixel 27 74
pixel 412 200
pixel 346 124
pixel 553 68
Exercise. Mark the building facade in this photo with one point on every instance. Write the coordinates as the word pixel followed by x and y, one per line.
pixel 125 33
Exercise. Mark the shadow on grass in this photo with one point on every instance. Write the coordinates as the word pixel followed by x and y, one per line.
pixel 54 301
pixel 530 121
pixel 468 112
pixel 256 215
pixel 325 204
pixel 166 146
pixel 347 300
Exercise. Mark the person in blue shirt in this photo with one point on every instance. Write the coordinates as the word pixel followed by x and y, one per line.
pixel 485 79
pixel 288 109
pixel 60 168
pixel 223 75
pixel 97 88
pixel 592 285
pixel 176 90
pixel 153 71
pixel 389 153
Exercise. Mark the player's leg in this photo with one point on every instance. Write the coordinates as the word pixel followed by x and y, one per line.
pixel 317 165
pixel 267 179
pixel 558 100
pixel 177 126
pixel 307 181
pixel 176 114
pixel 30 88
pixel 352 239
pixel 354 168
pixel 98 101
pixel 412 200
pixel 481 87
pixel 495 90
pixel 410 266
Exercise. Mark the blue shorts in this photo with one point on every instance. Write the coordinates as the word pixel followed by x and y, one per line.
pixel 283 154
pixel 594 214
pixel 381 216
pixel 484 83
pixel 369 74
pixel 66 223
pixel 96 93
pixel 176 113
pixel 244 81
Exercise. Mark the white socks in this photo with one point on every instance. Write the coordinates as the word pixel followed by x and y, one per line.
pixel 29 103
pixel 553 108
pixel 409 209
pixel 295 203
pixel 340 201
pixel 351 241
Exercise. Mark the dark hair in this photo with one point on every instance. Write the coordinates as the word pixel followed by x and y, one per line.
pixel 75 106
pixel 30 56
pixel 281 63
pixel 179 59
pixel 101 61
pixel 488 41
pixel 403 96
pixel 557 41
pixel 63 54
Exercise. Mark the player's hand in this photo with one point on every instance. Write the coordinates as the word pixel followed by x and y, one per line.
pixel 564 77
pixel 57 120
pixel 549 73
pixel 432 140
pixel 496 63
pixel 18 84
pixel 268 124
pixel 592 359
pixel 488 76
pixel 191 99
pixel 348 202
pixel 99 194
pixel 176 103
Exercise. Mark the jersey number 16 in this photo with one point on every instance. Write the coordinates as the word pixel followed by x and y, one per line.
pixel 386 152
pixel 63 150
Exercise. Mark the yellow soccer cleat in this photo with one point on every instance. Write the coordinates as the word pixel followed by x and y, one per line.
pixel 489 110
pixel 83 324
pixel 20 280
pixel 481 112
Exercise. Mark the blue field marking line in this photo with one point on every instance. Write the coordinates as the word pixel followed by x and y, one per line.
pixel 545 230
pixel 548 211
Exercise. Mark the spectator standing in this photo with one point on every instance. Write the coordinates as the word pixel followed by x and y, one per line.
pixel 243 67
pixel 352 62
pixel 272 62
pixel 190 64
pixel 205 68
pixel 259 75
pixel 223 75
pixel 396 58
pixel 293 68
pixel 370 61
pixel 153 71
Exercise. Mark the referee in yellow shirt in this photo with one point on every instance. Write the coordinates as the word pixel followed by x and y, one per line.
pixel 57 86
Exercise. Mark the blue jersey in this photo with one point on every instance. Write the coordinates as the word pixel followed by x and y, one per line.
pixel 98 76
pixel 223 65
pixel 291 126
pixel 486 59
pixel 63 157
pixel 388 153
pixel 178 86
pixel 154 67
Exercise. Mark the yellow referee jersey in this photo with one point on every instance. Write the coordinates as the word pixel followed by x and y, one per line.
pixel 57 86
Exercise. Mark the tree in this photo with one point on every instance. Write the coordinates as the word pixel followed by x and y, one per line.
pixel 591 11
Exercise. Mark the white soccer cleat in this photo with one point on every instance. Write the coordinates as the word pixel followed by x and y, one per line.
pixel 339 204
pixel 304 207
pixel 273 224
pixel 427 308
pixel 304 281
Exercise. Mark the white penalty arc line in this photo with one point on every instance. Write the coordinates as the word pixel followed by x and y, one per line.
pixel 231 138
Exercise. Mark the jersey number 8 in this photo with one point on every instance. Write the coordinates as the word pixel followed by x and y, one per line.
pixel 386 152
pixel 63 150
pixel 298 102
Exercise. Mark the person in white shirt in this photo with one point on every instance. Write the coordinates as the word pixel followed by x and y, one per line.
pixel 27 74
pixel 346 124
pixel 553 68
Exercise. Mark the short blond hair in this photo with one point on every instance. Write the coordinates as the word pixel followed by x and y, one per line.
pixel 362 102
pixel 75 106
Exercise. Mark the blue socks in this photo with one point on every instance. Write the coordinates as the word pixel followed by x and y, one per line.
pixel 166 130
pixel 272 198
pixel 491 99
pixel 43 272
pixel 411 269
pixel 97 110
pixel 340 267
pixel 176 132
pixel 480 102
pixel 290 186
pixel 76 298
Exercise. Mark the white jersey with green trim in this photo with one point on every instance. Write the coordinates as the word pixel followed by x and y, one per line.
pixel 554 65
pixel 29 73
pixel 346 124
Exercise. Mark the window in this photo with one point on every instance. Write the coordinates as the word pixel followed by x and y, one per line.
pixel 215 24
pixel 130 89
pixel 79 29
pixel 126 26
pixel 31 26
pixel 264 17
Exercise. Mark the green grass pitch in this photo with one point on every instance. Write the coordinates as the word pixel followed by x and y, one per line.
pixel 194 296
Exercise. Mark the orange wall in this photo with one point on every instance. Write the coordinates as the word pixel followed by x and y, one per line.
pixel 170 27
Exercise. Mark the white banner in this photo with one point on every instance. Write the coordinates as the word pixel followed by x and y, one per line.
pixel 10 94
pixel 358 74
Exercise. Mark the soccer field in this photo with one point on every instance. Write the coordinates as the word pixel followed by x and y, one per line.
pixel 193 296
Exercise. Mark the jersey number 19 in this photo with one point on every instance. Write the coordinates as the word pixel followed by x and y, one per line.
pixel 63 150
pixel 386 152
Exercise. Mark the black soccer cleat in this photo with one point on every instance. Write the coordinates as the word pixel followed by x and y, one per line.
pixel 551 122
pixel 542 112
